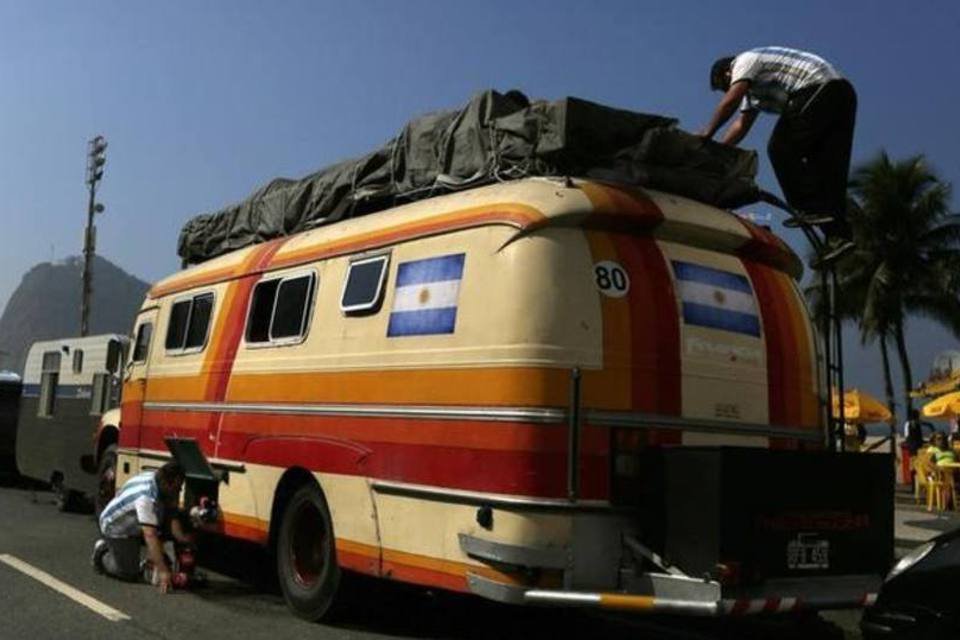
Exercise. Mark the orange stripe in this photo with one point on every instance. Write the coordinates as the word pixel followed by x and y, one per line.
pixel 517 215
pixel 626 603
pixel 806 399
pixel 495 386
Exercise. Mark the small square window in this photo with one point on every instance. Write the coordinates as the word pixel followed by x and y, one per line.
pixel 363 289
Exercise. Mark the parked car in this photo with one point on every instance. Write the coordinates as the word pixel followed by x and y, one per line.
pixel 920 597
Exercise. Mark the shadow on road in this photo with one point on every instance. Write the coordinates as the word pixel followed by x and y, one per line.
pixel 398 610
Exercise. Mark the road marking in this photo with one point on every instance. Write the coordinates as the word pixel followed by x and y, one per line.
pixel 76 595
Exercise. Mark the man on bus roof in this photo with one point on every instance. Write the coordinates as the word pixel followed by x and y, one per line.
pixel 811 142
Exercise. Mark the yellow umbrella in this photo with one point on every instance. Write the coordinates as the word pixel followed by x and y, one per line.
pixel 946 406
pixel 859 406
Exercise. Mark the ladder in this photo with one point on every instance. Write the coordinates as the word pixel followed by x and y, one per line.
pixel 830 328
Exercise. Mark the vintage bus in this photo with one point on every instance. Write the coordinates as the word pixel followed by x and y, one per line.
pixel 546 391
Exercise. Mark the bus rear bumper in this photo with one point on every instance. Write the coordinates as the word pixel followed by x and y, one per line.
pixel 691 597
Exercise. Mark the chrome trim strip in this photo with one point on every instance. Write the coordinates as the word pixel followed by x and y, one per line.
pixel 150 454
pixel 540 415
pixel 649 420
pixel 492 414
pixel 489 499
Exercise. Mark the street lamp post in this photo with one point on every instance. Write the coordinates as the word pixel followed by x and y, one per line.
pixel 96 148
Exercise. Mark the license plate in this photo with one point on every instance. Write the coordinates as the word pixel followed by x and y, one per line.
pixel 806 551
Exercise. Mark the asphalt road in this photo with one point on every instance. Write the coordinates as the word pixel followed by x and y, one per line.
pixel 241 602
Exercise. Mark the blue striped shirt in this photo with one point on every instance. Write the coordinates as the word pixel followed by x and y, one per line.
pixel 137 504
pixel 776 72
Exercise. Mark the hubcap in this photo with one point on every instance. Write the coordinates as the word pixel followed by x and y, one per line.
pixel 306 544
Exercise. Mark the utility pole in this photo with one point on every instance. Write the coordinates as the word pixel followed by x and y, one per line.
pixel 95 161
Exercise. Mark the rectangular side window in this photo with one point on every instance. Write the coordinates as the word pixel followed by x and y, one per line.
pixel 78 360
pixel 290 311
pixel 261 309
pixel 142 346
pixel 199 321
pixel 189 321
pixel 279 309
pixel 49 379
pixel 363 288
pixel 177 327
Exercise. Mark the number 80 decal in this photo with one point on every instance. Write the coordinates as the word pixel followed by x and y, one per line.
pixel 611 279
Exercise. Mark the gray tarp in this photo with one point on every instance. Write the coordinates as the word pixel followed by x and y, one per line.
pixel 494 137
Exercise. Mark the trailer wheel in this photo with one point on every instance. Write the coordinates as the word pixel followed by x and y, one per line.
pixel 306 556
pixel 66 500
pixel 106 480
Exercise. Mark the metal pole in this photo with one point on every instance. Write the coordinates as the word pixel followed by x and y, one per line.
pixel 88 250
pixel 573 437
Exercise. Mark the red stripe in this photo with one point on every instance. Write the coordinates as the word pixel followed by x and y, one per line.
pixel 445 453
pixel 766 247
pixel 655 327
pixel 769 299
pixel 772 605
pixel 228 340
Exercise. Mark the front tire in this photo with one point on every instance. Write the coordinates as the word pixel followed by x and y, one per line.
pixel 306 556
pixel 106 480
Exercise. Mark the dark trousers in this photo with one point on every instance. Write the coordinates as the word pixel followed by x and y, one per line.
pixel 810 151
pixel 123 558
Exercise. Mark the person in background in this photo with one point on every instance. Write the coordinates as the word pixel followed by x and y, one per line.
pixel 811 142
pixel 940 453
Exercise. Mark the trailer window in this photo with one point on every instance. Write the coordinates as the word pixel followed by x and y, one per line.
pixel 78 360
pixel 49 380
pixel 280 309
pixel 142 346
pixel 100 393
pixel 189 322
pixel 363 288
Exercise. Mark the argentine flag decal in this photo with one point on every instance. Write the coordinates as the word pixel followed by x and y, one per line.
pixel 425 300
pixel 716 299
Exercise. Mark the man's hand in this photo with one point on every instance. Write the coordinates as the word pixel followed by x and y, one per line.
pixel 164 579
pixel 155 554
pixel 725 108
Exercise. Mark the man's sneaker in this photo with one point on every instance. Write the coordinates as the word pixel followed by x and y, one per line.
pixel 100 548
pixel 835 249
pixel 807 220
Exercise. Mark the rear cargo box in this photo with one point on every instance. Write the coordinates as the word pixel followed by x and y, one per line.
pixel 765 514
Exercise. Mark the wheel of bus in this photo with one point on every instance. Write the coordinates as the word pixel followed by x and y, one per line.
pixel 306 556
pixel 106 479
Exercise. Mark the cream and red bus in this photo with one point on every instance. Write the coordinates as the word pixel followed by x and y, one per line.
pixel 546 391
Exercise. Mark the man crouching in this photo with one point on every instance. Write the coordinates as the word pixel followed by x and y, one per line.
pixel 146 505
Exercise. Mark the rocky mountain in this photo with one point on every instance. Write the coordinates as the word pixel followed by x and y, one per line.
pixel 46 305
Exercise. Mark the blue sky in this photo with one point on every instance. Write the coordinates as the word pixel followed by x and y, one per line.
pixel 202 102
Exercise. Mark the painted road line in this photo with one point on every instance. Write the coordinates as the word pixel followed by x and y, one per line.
pixel 76 595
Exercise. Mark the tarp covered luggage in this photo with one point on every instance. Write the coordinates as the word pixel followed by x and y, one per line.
pixel 494 137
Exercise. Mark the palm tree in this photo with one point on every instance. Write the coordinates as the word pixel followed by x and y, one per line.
pixel 907 261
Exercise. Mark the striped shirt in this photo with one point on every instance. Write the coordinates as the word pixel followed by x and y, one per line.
pixel 776 72
pixel 137 504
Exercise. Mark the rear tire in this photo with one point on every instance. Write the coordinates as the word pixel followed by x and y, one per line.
pixel 307 558
pixel 106 480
